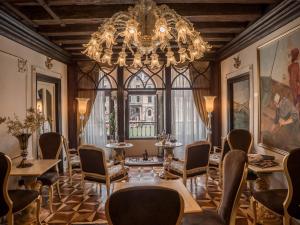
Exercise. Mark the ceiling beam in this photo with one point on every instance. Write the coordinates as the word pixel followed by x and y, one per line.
pixel 227 30
pixel 195 12
pixel 20 14
pixel 70 21
pixel 116 2
pixel 224 17
pixel 50 11
pixel 198 18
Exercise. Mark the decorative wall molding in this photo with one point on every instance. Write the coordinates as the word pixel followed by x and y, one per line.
pixel 17 31
pixel 237 62
pixel 22 65
pixel 48 63
pixel 282 14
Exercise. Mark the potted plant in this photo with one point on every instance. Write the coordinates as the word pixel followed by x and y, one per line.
pixel 22 130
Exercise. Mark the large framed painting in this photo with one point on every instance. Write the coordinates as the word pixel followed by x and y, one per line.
pixel 280 92
pixel 239 100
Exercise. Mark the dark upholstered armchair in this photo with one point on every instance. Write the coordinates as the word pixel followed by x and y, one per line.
pixel 196 162
pixel 72 158
pixel 217 157
pixel 95 169
pixel 283 202
pixel 240 139
pixel 13 201
pixel 234 174
pixel 144 205
pixel 50 145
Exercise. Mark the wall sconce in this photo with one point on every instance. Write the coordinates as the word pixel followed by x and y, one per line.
pixel 82 108
pixel 209 105
pixel 39 106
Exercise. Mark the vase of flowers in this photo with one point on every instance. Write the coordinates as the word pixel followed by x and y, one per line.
pixel 22 130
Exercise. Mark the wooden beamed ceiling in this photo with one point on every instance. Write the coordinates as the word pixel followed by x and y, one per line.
pixel 69 23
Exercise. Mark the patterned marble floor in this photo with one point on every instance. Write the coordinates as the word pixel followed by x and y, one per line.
pixel 74 208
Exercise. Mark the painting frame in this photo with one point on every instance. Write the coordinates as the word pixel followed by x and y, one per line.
pixel 243 76
pixel 260 142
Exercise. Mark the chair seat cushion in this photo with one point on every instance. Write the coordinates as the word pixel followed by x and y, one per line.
pixel 22 198
pixel 204 218
pixel 49 178
pixel 215 158
pixel 115 173
pixel 272 199
pixel 177 167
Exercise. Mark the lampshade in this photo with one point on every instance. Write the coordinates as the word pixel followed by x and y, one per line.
pixel 209 103
pixel 39 105
pixel 82 105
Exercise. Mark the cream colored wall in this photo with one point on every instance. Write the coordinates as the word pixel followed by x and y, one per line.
pixel 18 89
pixel 249 61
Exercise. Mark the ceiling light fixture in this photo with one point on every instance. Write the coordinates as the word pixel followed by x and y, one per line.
pixel 146 31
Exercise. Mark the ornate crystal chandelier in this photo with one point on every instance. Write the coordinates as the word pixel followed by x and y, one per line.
pixel 146 32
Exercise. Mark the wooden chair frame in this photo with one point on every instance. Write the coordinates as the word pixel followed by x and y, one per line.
pixel 95 175
pixel 70 157
pixel 51 187
pixel 220 149
pixel 185 171
pixel 286 217
pixel 10 214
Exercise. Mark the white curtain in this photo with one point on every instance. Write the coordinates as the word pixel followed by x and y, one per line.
pixel 187 125
pixel 95 130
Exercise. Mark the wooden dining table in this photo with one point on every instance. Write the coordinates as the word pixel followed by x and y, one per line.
pixel 190 204
pixel 30 174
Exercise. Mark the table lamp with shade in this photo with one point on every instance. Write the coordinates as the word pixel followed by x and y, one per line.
pixel 82 108
pixel 209 105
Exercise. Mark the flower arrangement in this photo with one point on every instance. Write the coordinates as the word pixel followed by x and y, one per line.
pixel 22 130
pixel 31 123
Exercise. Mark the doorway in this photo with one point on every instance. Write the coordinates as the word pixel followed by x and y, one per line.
pixel 48 102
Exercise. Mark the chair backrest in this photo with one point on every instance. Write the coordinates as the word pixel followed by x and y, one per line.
pixel 144 205
pixel 240 139
pixel 292 168
pixel 197 155
pixel 225 148
pixel 234 174
pixel 50 145
pixel 5 201
pixel 92 160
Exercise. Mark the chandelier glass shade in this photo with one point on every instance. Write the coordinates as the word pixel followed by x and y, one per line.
pixel 147 34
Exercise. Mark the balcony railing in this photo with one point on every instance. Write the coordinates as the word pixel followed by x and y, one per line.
pixel 138 129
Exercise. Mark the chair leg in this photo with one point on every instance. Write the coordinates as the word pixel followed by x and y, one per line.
pixel 253 207
pixel 10 218
pixel 51 198
pixel 70 174
pixel 107 189
pixel 83 189
pixel 58 189
pixel 286 219
pixel 38 209
pixel 206 181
